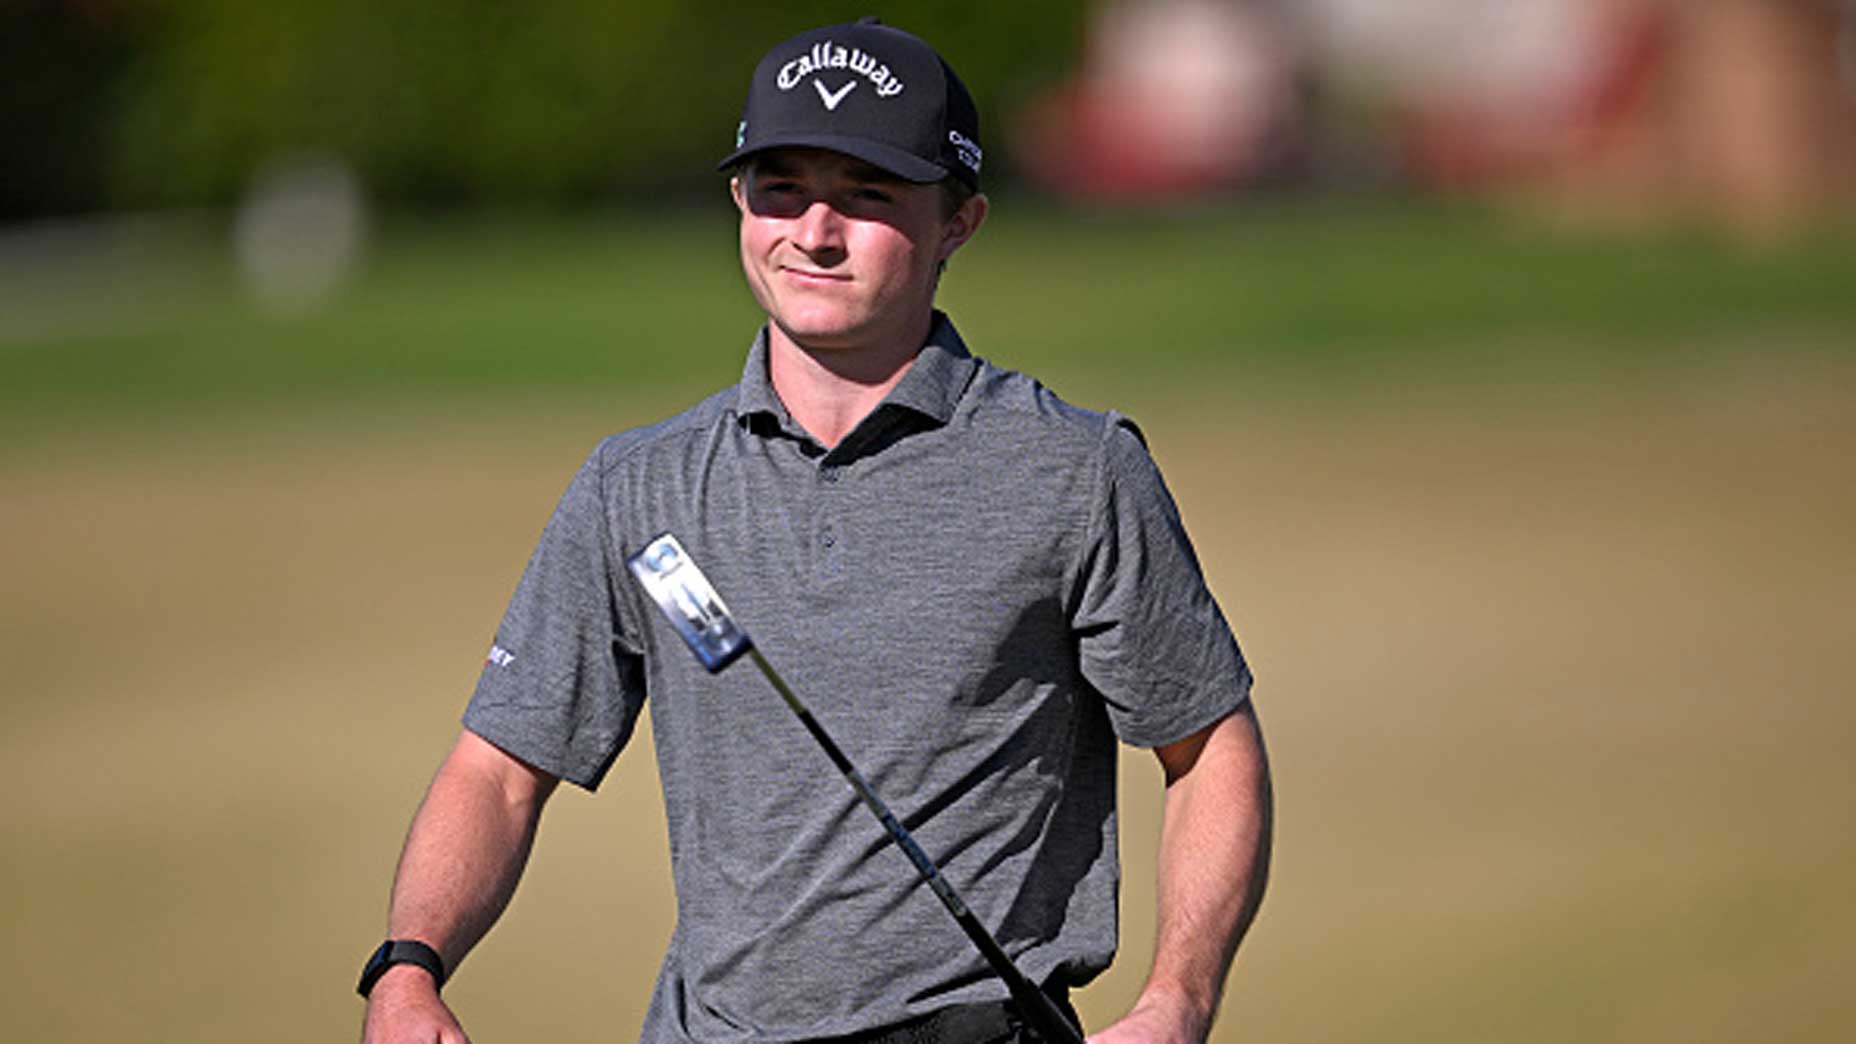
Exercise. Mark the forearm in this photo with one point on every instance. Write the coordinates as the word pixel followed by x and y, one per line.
pixel 463 856
pixel 466 849
pixel 1213 862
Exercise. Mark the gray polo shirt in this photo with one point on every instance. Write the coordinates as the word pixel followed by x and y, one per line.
pixel 977 592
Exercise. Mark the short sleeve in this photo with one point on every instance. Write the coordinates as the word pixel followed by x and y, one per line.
pixel 561 688
pixel 1151 639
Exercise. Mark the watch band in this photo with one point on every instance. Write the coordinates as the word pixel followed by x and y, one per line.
pixel 401 951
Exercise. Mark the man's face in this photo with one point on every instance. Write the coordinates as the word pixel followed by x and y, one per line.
pixel 842 254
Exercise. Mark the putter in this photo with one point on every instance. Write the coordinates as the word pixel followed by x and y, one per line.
pixel 671 578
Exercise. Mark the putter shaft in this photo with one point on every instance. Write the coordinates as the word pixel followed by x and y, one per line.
pixel 1033 1003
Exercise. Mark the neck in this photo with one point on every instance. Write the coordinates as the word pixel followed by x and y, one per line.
pixel 829 391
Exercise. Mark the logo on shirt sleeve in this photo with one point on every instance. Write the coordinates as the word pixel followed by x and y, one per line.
pixel 499 657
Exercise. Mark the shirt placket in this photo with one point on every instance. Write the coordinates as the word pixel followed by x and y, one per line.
pixel 828 536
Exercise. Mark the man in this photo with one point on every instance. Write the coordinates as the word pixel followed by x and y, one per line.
pixel 977 587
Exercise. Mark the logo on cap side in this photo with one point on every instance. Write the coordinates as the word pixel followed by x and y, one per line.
pixel 967 149
pixel 828 55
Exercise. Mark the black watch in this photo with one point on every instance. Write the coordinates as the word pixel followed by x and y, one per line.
pixel 400 951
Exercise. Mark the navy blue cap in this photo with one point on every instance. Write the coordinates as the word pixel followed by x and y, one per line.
pixel 867 90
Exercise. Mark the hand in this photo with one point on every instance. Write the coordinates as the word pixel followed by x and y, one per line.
pixel 1155 1022
pixel 404 1008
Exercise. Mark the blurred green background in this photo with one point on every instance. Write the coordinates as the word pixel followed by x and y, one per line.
pixel 1534 522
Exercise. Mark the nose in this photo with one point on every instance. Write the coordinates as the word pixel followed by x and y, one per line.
pixel 819 231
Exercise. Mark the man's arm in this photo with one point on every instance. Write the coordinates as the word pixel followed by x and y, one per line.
pixel 463 857
pixel 1214 860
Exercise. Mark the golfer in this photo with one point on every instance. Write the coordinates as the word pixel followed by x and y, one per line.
pixel 980 589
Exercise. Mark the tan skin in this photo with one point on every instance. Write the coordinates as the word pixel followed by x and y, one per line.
pixel 843 258
pixel 468 844
pixel 1214 861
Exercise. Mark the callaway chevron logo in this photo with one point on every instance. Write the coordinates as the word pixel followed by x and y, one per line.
pixel 832 97
pixel 827 55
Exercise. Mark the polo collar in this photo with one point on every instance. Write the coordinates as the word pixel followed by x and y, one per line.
pixel 940 375
pixel 754 396
pixel 932 387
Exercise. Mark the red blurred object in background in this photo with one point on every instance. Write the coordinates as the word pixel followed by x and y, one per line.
pixel 1176 98
pixel 1741 113
pixel 1465 135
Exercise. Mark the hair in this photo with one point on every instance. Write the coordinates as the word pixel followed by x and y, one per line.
pixel 954 195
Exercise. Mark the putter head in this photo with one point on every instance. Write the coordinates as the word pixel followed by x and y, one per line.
pixel 671 578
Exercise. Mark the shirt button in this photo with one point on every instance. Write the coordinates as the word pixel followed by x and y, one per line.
pixel 829 474
pixel 829 541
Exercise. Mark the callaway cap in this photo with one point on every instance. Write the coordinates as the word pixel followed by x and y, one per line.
pixel 869 91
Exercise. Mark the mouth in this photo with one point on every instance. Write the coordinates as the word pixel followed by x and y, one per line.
pixel 814 276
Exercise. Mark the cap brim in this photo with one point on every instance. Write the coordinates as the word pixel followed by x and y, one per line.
pixel 903 164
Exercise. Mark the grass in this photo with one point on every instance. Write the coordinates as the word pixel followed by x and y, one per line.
pixel 156 320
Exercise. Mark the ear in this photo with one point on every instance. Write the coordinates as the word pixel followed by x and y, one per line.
pixel 963 225
pixel 739 194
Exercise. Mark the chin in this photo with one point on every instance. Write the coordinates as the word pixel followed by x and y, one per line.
pixel 823 338
pixel 821 330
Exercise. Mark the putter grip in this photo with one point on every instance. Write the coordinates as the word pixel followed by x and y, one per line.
pixel 1042 1013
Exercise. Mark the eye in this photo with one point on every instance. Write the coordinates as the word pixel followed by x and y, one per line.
pixel 873 195
pixel 777 196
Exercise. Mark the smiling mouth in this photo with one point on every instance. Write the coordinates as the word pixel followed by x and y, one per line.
pixel 812 275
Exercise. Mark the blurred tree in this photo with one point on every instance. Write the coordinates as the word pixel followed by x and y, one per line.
pixel 60 59
pixel 471 100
